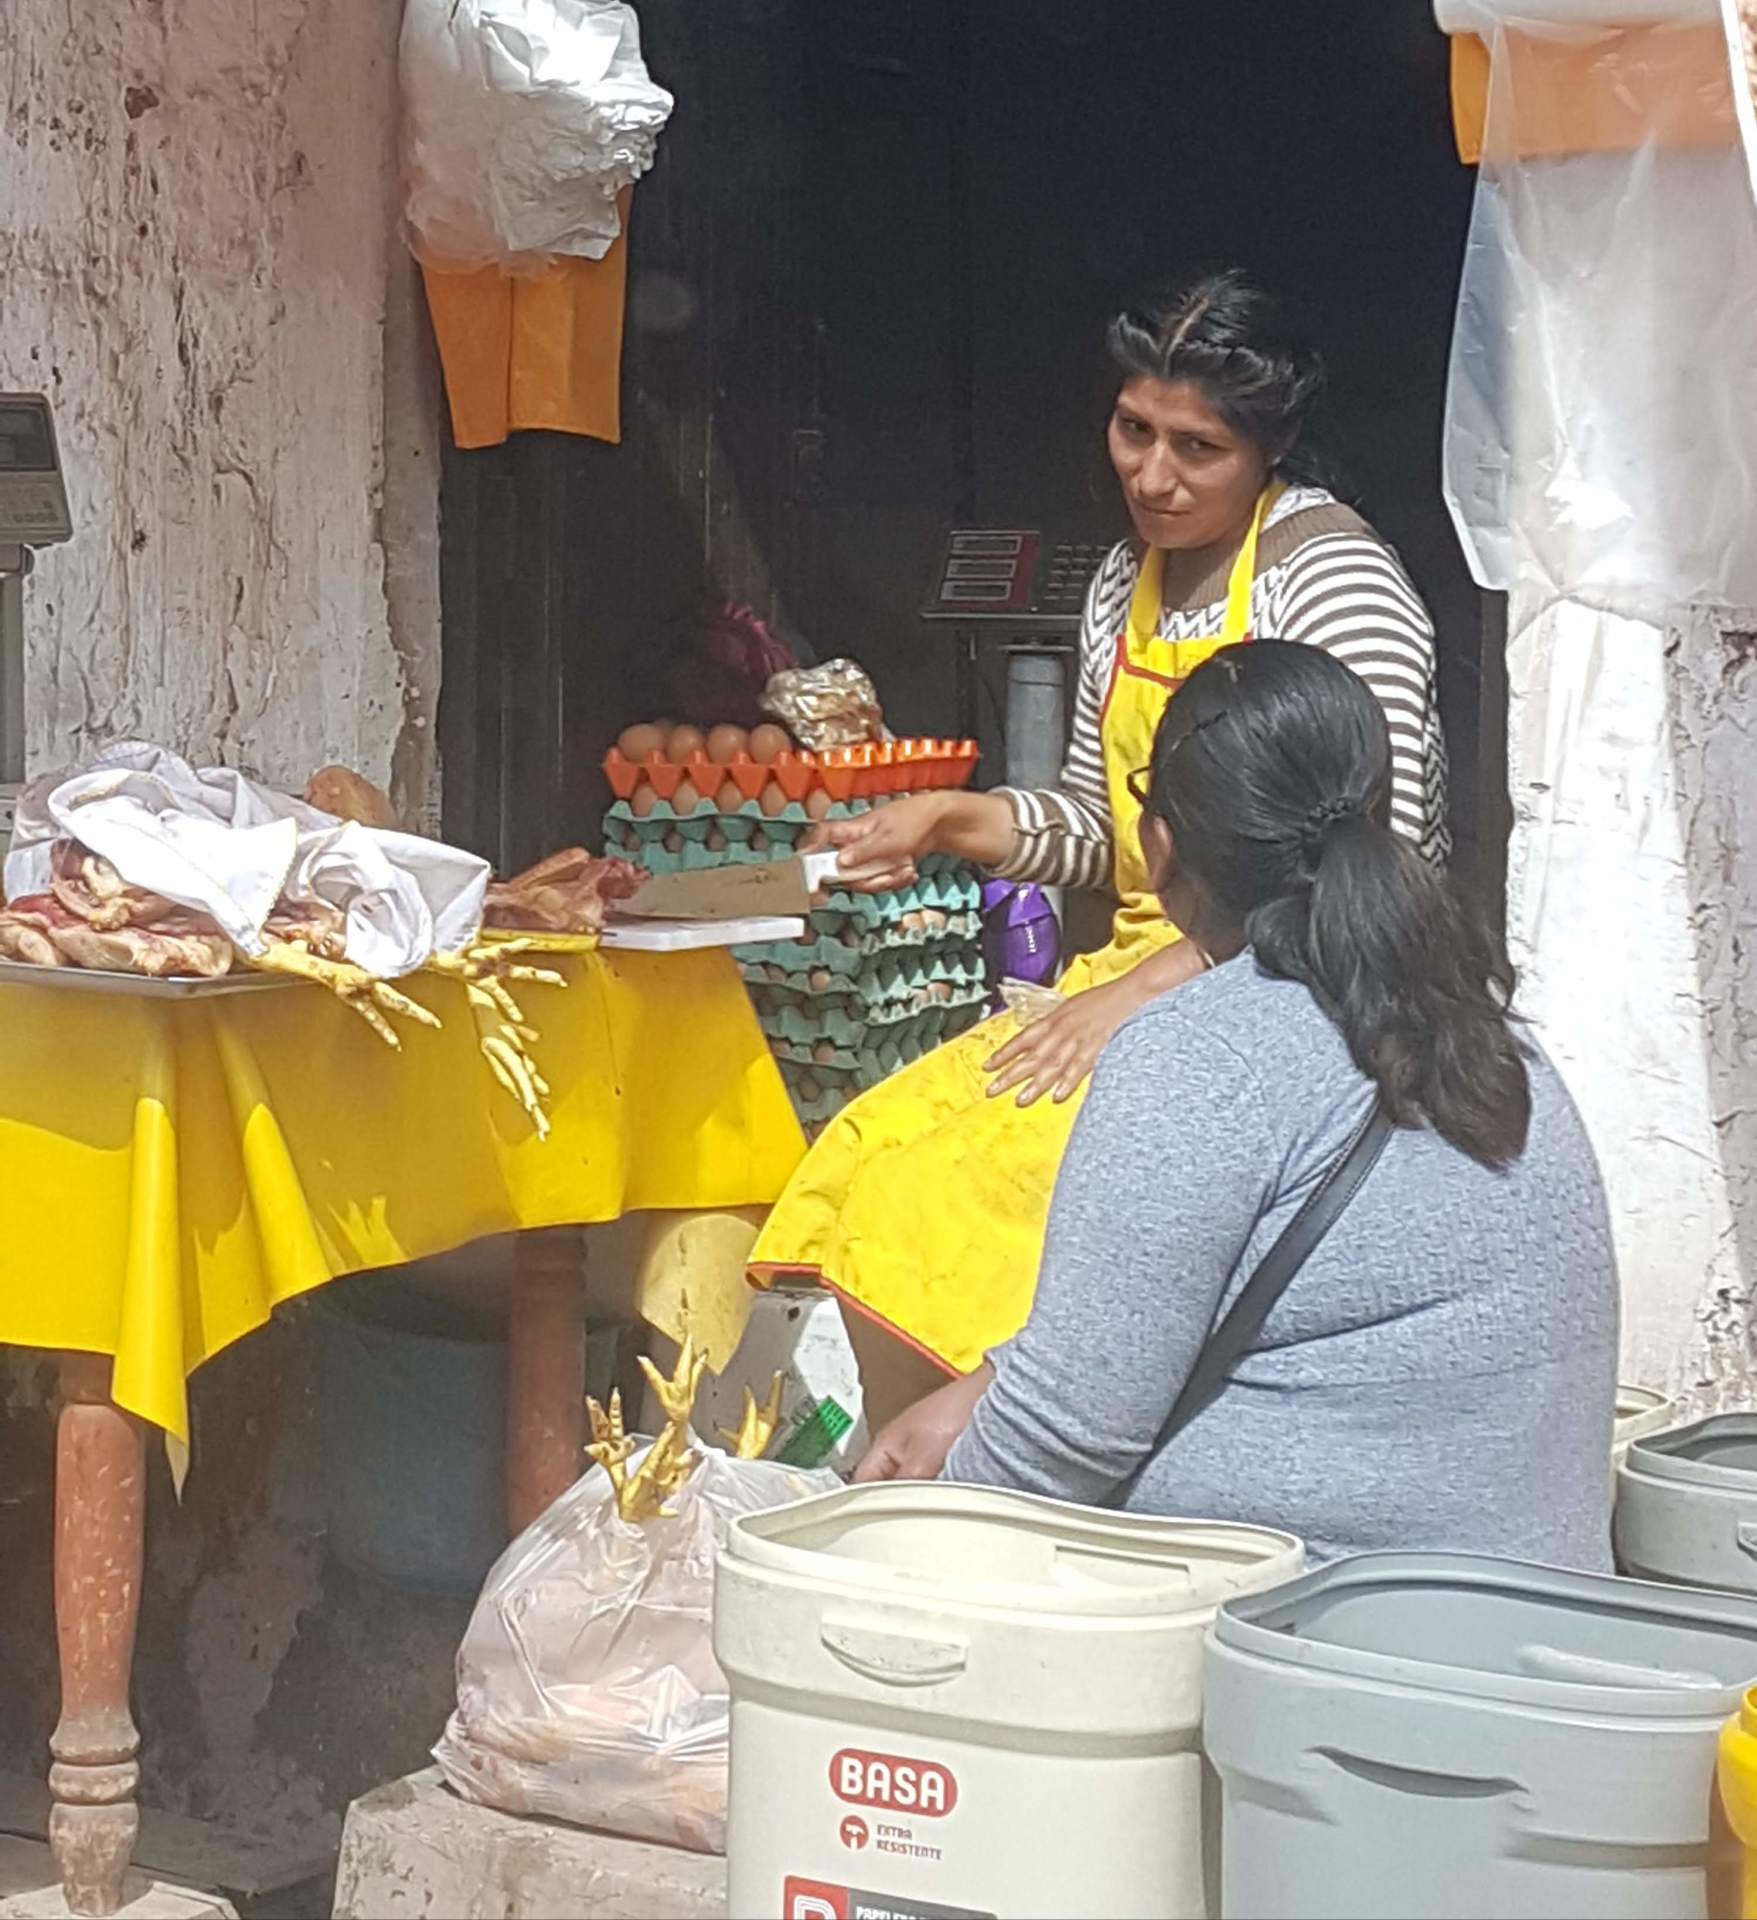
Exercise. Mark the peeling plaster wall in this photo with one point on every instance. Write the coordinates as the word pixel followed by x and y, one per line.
pixel 197 259
pixel 1633 919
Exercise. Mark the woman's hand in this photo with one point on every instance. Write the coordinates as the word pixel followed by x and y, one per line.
pixel 914 1446
pixel 879 849
pixel 1056 1055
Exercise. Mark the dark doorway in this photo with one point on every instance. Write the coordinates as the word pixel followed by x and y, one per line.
pixel 870 276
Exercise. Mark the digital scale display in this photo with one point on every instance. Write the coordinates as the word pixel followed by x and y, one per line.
pixel 33 498
pixel 25 442
pixel 1021 578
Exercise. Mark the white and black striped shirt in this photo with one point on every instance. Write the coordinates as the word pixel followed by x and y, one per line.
pixel 1343 591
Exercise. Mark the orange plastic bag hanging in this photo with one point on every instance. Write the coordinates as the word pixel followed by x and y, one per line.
pixel 533 351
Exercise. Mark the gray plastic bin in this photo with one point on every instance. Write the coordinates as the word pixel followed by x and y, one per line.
pixel 1425 1734
pixel 1687 1505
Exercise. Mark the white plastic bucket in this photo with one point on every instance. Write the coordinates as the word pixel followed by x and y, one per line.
pixel 949 1701
pixel 1640 1411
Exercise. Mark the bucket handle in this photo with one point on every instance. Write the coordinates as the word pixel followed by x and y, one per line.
pixel 1427 1782
pixel 894 1659
pixel 1579 1669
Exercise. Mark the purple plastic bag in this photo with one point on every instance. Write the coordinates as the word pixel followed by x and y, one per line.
pixel 1021 937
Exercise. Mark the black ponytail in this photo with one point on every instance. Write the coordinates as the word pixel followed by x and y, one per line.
pixel 1273 770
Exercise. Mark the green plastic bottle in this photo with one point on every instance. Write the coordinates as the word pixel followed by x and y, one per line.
pixel 816 1435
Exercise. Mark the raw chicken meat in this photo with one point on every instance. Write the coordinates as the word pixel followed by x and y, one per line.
pixel 570 892
pixel 180 944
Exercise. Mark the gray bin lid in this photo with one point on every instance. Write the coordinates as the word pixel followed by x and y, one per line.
pixel 1687 1505
pixel 1504 1630
pixel 1719 1452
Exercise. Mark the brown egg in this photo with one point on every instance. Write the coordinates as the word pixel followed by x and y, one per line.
pixel 819 979
pixel 685 800
pixel 773 800
pixel 759 841
pixel 913 922
pixel 725 744
pixel 684 741
pixel 644 799
pixel 637 742
pixel 824 1054
pixel 808 1088
pixel 728 799
pixel 768 743
pixel 716 841
pixel 674 841
pixel 817 804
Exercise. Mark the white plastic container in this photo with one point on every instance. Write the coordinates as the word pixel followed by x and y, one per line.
pixel 948 1701
pixel 1640 1411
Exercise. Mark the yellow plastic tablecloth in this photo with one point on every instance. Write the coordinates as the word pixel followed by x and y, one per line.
pixel 173 1170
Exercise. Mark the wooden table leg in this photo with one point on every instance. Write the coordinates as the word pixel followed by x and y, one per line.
pixel 100 1534
pixel 545 1373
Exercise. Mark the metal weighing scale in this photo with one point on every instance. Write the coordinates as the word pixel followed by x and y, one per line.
pixel 1019 591
pixel 33 514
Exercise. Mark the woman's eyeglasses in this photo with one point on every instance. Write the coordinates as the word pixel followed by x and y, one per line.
pixel 1140 782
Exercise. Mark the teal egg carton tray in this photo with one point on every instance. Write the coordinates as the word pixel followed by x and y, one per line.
pixel 802 1029
pixel 845 1017
pixel 664 817
pixel 943 974
pixel 875 1059
pixel 841 959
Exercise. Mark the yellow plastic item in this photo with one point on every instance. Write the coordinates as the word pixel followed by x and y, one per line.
pixel 925 1201
pixel 533 350
pixel 1612 90
pixel 176 1169
pixel 1738 1791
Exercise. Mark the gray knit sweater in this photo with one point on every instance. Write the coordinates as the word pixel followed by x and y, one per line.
pixel 1441 1374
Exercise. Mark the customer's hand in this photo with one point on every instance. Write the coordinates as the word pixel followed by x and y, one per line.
pixel 914 1445
pixel 879 849
pixel 1056 1054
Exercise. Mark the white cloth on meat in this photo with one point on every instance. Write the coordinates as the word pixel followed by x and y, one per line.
pixel 210 840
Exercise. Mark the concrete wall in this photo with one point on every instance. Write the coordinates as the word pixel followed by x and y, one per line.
pixel 1632 908
pixel 200 266
pixel 1633 919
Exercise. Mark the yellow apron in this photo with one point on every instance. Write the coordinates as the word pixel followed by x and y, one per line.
pixel 924 1202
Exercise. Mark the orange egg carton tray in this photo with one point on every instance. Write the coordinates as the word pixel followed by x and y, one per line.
pixel 844 773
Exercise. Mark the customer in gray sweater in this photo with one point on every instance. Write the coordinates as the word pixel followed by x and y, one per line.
pixel 1441 1372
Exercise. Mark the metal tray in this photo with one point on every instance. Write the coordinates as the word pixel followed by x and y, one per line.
pixel 20 973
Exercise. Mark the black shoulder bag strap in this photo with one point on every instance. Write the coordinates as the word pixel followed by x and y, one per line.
pixel 1238 1327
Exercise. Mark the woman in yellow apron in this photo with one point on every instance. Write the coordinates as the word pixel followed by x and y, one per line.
pixel 923 1204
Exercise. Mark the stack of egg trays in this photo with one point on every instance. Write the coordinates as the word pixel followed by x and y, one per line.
pixel 665 841
pixel 878 979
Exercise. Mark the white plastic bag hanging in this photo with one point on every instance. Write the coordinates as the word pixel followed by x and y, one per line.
pixel 1586 457
pixel 588 1690
pixel 522 122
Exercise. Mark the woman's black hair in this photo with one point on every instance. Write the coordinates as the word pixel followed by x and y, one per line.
pixel 1272 767
pixel 1225 336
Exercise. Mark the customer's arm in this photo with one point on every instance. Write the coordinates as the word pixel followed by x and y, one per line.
pixel 1169 1168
